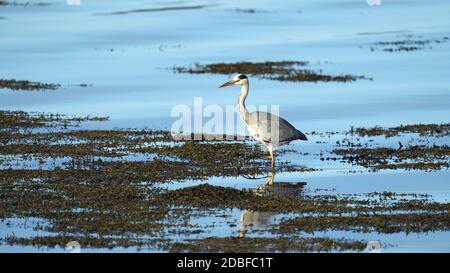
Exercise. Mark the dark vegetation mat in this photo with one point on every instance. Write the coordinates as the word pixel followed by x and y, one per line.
pixel 106 189
pixel 292 71
pixel 23 85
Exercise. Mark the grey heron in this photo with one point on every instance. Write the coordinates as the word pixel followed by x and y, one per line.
pixel 269 129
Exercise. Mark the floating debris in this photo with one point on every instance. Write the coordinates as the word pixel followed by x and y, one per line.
pixel 84 85
pixel 409 44
pixel 383 32
pixel 248 10
pixel 152 10
pixel 240 10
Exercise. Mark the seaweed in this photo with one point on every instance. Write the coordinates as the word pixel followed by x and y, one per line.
pixel 442 129
pixel 260 244
pixel 292 71
pixel 27 85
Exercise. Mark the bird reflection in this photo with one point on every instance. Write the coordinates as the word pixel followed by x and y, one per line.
pixel 257 219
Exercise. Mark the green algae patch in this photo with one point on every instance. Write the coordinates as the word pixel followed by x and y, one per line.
pixel 263 68
pixel 261 244
pixel 208 196
pixel 86 242
pixel 421 129
pixel 21 85
pixel 292 71
pixel 384 223
pixel 414 157
pixel 12 120
pixel 407 147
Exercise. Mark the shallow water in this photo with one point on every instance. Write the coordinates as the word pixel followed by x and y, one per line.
pixel 125 52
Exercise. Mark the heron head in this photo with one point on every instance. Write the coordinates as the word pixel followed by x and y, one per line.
pixel 239 79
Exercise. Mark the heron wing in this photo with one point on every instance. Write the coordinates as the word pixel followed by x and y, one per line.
pixel 273 129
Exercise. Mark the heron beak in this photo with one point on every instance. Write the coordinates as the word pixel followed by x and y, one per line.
pixel 230 83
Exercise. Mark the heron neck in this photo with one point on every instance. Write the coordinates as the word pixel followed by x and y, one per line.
pixel 242 109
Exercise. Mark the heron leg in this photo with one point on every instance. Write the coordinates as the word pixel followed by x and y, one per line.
pixel 272 157
pixel 271 178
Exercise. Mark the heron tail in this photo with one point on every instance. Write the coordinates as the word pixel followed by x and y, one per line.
pixel 301 136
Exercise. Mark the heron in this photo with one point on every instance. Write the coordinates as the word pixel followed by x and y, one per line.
pixel 269 129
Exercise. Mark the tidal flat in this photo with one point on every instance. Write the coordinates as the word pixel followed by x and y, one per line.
pixel 110 189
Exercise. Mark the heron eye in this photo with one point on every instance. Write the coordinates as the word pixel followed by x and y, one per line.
pixel 241 77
